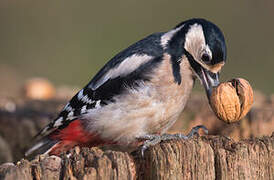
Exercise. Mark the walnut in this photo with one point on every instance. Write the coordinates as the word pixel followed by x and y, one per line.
pixel 232 100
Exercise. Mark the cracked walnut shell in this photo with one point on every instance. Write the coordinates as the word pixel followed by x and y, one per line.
pixel 232 100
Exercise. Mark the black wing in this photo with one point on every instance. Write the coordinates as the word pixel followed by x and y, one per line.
pixel 130 66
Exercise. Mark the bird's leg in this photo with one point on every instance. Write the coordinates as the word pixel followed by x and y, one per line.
pixel 152 139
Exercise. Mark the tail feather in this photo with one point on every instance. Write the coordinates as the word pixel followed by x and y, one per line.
pixel 41 147
pixel 61 140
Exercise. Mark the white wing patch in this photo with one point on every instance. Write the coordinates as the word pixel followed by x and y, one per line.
pixel 97 105
pixel 128 65
pixel 58 122
pixel 70 114
pixel 85 98
pixel 68 107
pixel 84 109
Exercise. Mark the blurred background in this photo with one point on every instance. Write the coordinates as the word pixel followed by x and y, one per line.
pixel 67 42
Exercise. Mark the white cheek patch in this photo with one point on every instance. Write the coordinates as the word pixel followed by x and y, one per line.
pixel 194 35
pixel 195 43
pixel 128 65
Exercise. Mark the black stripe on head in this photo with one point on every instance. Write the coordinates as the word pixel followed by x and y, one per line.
pixel 213 36
pixel 175 49
pixel 215 40
pixel 195 66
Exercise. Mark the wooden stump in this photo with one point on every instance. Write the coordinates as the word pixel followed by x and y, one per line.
pixel 207 157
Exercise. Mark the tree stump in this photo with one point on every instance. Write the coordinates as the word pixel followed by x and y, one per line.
pixel 206 157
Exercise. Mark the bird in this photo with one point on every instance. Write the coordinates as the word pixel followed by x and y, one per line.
pixel 139 93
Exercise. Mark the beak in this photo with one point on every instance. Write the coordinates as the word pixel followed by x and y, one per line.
pixel 209 80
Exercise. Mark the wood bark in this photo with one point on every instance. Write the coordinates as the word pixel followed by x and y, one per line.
pixel 206 157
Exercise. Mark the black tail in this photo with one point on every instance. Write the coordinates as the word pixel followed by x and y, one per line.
pixel 41 147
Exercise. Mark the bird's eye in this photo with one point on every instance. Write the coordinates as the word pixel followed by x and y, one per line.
pixel 206 58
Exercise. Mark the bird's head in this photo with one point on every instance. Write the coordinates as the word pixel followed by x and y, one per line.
pixel 204 47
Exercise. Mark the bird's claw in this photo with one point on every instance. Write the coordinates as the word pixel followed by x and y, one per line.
pixel 195 131
pixel 151 139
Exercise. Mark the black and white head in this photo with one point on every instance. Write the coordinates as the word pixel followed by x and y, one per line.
pixel 204 47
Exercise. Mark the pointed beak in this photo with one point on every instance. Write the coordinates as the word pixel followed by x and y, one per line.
pixel 209 80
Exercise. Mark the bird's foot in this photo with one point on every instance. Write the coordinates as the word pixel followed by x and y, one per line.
pixel 152 139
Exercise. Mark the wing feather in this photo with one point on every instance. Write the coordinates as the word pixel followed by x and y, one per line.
pixel 127 66
pixel 123 70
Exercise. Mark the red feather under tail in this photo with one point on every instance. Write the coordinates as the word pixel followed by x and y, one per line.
pixel 73 135
pixel 62 140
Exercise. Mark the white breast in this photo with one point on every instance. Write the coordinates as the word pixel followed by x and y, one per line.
pixel 151 108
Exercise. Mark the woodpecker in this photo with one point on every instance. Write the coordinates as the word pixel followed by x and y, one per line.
pixel 140 92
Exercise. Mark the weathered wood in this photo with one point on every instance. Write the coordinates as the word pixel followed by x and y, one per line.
pixel 28 117
pixel 207 157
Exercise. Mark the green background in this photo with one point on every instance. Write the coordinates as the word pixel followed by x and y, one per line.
pixel 69 41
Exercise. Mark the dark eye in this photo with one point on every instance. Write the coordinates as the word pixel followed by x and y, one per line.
pixel 206 58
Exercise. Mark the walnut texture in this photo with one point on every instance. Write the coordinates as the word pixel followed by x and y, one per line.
pixel 232 100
